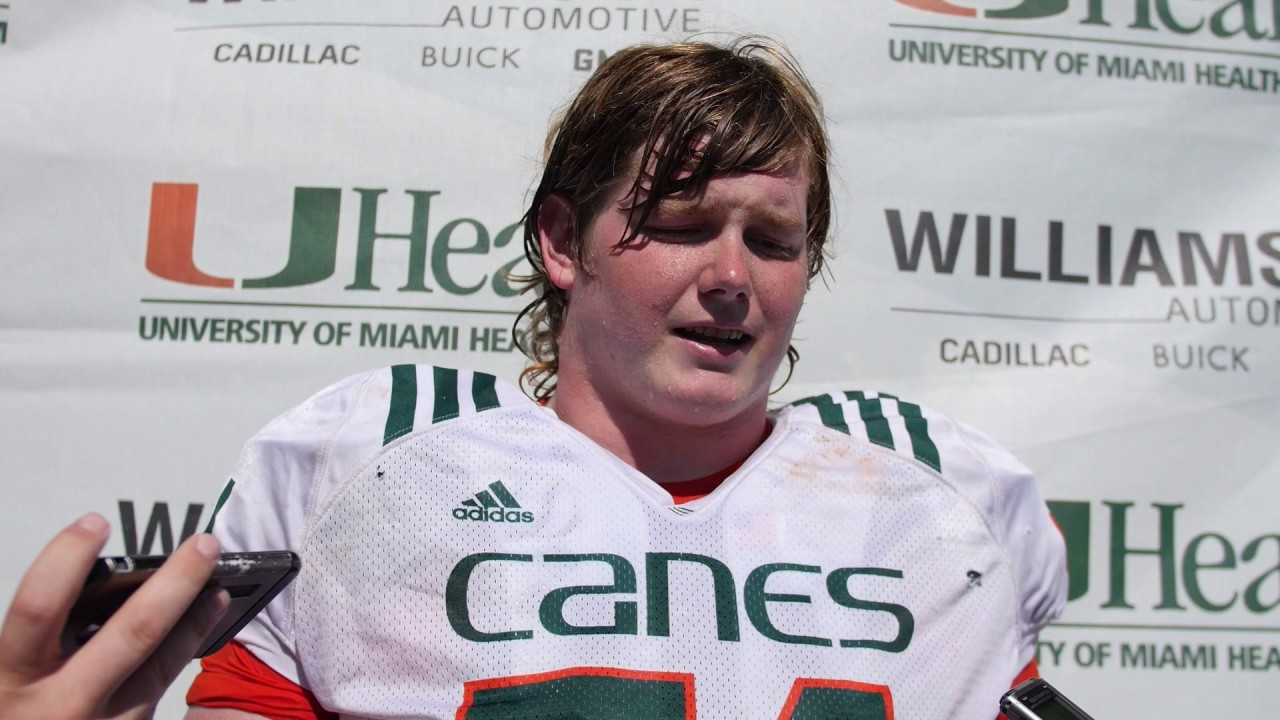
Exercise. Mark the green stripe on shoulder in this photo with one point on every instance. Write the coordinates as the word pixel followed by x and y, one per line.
pixel 445 397
pixel 922 446
pixel 872 414
pixel 831 414
pixel 404 402
pixel 222 500
pixel 446 401
pixel 483 392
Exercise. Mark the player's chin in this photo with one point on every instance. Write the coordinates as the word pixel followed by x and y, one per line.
pixel 716 395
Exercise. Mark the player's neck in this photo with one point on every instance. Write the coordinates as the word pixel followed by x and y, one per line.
pixel 663 451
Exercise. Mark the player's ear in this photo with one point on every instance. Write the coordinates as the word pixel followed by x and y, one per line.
pixel 557 229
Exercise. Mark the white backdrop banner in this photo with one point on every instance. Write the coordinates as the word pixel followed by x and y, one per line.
pixel 1056 219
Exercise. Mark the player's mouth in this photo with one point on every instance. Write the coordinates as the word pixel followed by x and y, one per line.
pixel 719 338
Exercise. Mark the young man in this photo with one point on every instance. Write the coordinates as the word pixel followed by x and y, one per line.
pixel 646 539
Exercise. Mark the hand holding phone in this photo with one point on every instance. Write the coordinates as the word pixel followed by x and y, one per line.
pixel 129 665
pixel 1036 699
pixel 251 579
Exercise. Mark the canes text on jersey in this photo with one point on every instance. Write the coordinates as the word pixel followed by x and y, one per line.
pixel 657 567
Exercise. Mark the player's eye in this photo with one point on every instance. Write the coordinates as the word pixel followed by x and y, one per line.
pixel 780 249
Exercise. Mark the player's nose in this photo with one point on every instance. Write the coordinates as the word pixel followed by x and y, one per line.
pixel 725 270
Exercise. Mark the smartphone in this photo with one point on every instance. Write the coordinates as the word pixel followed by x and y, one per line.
pixel 1036 699
pixel 252 579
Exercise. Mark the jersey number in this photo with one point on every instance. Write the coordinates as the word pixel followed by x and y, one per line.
pixel 591 693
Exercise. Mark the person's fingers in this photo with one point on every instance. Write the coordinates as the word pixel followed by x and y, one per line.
pixel 142 623
pixel 29 637
pixel 138 694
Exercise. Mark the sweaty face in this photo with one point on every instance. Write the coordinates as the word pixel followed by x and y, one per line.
pixel 689 322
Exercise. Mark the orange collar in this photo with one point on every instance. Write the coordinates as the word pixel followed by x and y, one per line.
pixel 690 490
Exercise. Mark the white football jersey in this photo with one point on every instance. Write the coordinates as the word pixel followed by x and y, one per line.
pixel 467 555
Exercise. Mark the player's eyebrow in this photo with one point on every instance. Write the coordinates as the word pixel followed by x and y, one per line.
pixel 765 215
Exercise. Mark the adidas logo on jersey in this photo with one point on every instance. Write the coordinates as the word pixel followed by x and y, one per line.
pixel 493 505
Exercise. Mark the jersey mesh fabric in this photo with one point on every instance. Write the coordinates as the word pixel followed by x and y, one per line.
pixel 828 560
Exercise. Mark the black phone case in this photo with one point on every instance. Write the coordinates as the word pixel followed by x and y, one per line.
pixel 251 588
pixel 1043 700
pixel 252 580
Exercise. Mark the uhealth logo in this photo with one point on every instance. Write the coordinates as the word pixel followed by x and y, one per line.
pixel 1251 20
pixel 1209 572
pixel 1020 10
pixel 496 504
pixel 313 243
